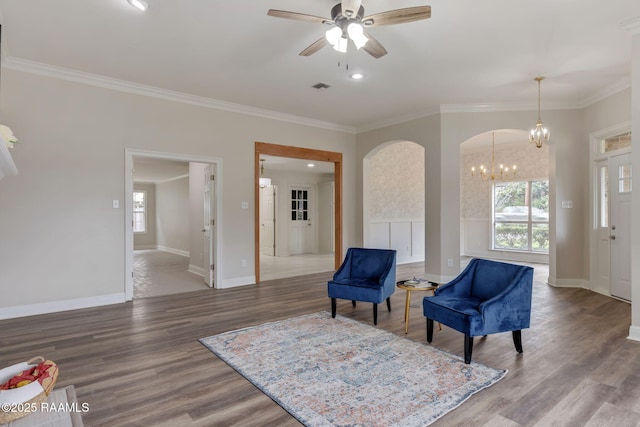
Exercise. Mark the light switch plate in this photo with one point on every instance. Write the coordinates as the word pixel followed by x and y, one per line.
pixel 116 204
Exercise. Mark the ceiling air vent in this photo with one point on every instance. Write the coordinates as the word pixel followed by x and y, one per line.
pixel 321 86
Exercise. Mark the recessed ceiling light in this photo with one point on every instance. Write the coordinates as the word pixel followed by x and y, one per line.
pixel 139 4
pixel 357 76
pixel 310 165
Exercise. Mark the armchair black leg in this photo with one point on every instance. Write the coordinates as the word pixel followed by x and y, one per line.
pixel 333 308
pixel 389 303
pixel 468 348
pixel 517 340
pixel 375 314
pixel 353 303
pixel 429 330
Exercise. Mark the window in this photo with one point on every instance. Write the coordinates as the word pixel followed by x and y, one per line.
pixel 521 216
pixel 299 205
pixel 603 194
pixel 139 211
pixel 614 143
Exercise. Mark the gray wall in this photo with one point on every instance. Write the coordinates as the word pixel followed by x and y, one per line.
pixel 71 162
pixel 172 215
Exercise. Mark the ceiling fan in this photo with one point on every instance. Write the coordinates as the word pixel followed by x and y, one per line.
pixel 348 23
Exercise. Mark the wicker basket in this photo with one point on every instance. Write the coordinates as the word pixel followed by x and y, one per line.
pixel 27 397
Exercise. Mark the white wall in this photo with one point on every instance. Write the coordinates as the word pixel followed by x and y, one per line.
pixel 147 240
pixel 71 166
pixel 172 216
pixel 326 214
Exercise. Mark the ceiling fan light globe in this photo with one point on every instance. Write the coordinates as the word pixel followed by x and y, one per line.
pixel 356 33
pixel 333 35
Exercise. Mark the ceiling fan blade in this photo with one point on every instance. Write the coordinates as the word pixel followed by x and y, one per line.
pixel 373 47
pixel 350 7
pixel 298 16
pixel 314 47
pixel 397 16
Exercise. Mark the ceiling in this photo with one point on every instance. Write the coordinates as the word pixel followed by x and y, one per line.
pixel 287 164
pixel 156 171
pixel 470 54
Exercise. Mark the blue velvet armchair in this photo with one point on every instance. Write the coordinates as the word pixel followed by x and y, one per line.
pixel 367 275
pixel 486 298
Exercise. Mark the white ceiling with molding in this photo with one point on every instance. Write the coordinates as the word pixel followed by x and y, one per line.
pixel 229 54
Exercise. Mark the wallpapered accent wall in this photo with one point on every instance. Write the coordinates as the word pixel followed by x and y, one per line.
pixel 396 182
pixel 531 162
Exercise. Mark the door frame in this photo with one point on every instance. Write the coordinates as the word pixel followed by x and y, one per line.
pixel 595 158
pixel 264 148
pixel 129 154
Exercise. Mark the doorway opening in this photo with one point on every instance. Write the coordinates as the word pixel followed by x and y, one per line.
pixel 296 217
pixel 301 217
pixel 173 223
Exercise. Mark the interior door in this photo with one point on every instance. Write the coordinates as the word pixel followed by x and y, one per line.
pixel 301 226
pixel 209 228
pixel 620 189
pixel 267 220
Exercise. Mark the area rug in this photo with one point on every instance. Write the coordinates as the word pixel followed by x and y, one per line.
pixel 340 372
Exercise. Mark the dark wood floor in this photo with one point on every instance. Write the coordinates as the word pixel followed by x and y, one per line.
pixel 140 363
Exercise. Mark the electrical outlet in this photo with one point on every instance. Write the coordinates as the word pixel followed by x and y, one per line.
pixel 449 262
pixel 244 263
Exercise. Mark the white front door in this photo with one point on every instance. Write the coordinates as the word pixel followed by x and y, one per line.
pixel 620 177
pixel 301 230
pixel 209 227
pixel 267 220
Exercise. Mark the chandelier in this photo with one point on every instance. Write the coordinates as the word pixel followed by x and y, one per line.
pixel 263 182
pixel 539 134
pixel 503 173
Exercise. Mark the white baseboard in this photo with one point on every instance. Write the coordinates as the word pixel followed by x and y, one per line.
pixel 237 281
pixel 569 283
pixel 173 251
pixel 634 333
pixel 409 260
pixel 196 270
pixel 56 306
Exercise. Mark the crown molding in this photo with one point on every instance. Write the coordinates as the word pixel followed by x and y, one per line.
pixel 46 70
pixel 155 92
pixel 608 91
pixel 632 26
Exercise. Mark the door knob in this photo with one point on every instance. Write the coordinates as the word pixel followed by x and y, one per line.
pixel 204 231
pixel 613 237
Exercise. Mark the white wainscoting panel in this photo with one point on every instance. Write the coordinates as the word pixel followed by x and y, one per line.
pixel 404 235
